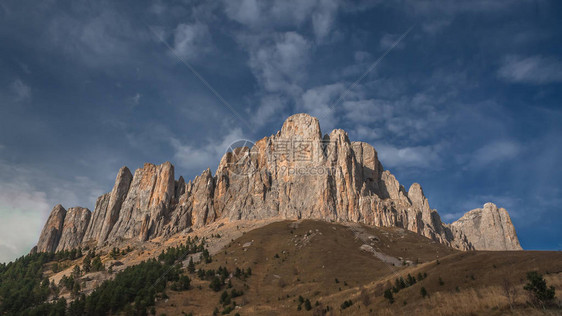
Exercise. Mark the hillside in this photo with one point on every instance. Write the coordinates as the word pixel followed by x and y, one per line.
pixel 325 262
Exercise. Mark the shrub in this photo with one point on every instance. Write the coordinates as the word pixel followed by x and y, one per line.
pixel 423 292
pixel 191 266
pixel 388 295
pixel 346 304
pixel 215 284
pixel 307 305
pixel 538 289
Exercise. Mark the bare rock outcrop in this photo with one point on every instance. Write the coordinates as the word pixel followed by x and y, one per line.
pixel 108 207
pixel 74 227
pixel 488 228
pixel 293 174
pixel 52 231
pixel 145 207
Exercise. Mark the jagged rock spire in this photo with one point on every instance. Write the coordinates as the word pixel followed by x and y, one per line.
pixel 295 173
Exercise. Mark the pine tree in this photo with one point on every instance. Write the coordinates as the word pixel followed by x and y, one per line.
pixel 388 295
pixel 307 305
pixel 191 266
pixel 538 289
pixel 76 271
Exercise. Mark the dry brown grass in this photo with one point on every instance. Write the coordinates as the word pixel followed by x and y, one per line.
pixel 312 254
pixel 308 266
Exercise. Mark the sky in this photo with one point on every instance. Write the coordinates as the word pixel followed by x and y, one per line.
pixel 461 97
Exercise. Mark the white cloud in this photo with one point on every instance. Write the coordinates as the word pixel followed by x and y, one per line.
pixel 406 157
pixel 27 194
pixel 22 210
pixel 318 102
pixel 408 117
pixel 192 40
pixel 100 38
pixel 273 15
pixel 271 106
pixel 363 133
pixel 494 152
pixel 201 157
pixel 243 11
pixel 388 40
pixel 323 19
pixel 136 99
pixel 21 91
pixel 534 69
pixel 281 64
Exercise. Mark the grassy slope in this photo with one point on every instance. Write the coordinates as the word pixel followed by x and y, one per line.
pixel 312 254
pixel 309 265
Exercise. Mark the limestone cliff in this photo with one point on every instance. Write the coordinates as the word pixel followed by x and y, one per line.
pixel 488 228
pixel 295 173
pixel 50 236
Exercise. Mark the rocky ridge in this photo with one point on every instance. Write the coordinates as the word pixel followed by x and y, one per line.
pixel 296 173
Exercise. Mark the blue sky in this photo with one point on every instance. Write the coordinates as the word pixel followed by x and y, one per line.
pixel 468 104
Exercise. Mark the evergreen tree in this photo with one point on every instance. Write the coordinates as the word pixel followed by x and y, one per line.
pixel 215 284
pixel 76 271
pixel 388 295
pixel 191 266
pixel 86 264
pixel 538 289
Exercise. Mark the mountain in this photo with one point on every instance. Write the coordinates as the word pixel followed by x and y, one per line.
pixel 297 173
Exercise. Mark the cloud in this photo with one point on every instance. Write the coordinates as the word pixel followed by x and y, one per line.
pixel 23 209
pixel 279 65
pixel 21 91
pixel 27 194
pixel 323 19
pixel 271 14
pixel 410 117
pixel 388 40
pixel 408 157
pixel 96 37
pixel 271 106
pixel 198 158
pixel 494 152
pixel 135 99
pixel 192 40
pixel 533 70
pixel 258 15
pixel 317 102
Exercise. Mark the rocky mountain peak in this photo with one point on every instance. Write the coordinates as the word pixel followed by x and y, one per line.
pixel 301 126
pixel 52 230
pixel 293 174
pixel 488 228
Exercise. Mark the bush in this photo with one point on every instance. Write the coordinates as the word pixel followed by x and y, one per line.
pixel 215 284
pixel 307 305
pixel 191 266
pixel 423 292
pixel 388 295
pixel 538 289
pixel 346 304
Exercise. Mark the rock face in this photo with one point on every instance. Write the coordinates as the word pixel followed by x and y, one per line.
pixel 108 207
pixel 74 227
pixel 295 173
pixel 50 236
pixel 488 228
